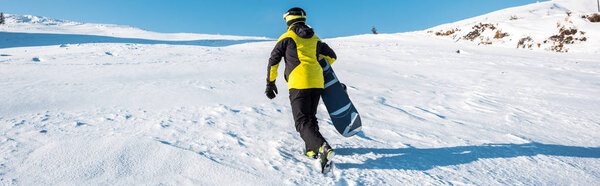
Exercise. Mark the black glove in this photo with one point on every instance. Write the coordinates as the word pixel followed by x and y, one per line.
pixel 271 91
pixel 344 85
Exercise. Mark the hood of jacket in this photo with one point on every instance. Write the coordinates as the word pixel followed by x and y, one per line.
pixel 303 30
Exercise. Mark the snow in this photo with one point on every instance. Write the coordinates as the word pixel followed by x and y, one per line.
pixel 37 24
pixel 539 21
pixel 150 108
pixel 131 160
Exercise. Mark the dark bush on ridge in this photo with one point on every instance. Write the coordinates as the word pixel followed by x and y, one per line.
pixel 1 18
pixel 594 18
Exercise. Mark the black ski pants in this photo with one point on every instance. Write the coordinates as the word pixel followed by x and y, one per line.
pixel 304 107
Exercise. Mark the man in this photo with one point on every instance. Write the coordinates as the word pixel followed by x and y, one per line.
pixel 302 51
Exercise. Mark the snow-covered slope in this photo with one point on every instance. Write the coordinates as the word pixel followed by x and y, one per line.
pixel 37 24
pixel 133 112
pixel 539 26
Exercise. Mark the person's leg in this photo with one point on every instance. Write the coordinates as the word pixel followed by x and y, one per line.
pixel 315 95
pixel 304 104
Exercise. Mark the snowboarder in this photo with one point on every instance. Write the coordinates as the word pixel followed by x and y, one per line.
pixel 302 49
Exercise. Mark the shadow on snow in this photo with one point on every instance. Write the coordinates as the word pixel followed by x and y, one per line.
pixel 425 159
pixel 14 39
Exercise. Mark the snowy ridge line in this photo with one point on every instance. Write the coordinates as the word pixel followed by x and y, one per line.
pixel 556 25
pixel 14 39
pixel 44 25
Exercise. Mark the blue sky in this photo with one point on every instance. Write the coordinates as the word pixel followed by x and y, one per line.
pixel 261 17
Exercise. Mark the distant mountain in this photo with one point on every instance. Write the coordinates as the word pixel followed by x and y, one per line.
pixel 558 25
pixel 38 24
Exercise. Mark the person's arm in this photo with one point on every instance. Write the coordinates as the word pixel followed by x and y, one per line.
pixel 326 52
pixel 276 55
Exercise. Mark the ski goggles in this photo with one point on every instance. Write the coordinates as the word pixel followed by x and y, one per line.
pixel 288 17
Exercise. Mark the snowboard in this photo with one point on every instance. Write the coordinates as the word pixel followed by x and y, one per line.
pixel 343 114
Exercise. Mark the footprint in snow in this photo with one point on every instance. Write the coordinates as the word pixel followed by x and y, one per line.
pixel 78 124
pixel 20 123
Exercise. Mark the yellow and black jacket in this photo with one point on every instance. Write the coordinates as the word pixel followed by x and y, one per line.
pixel 301 49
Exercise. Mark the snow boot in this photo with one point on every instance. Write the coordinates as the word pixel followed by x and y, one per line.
pixel 311 154
pixel 325 155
